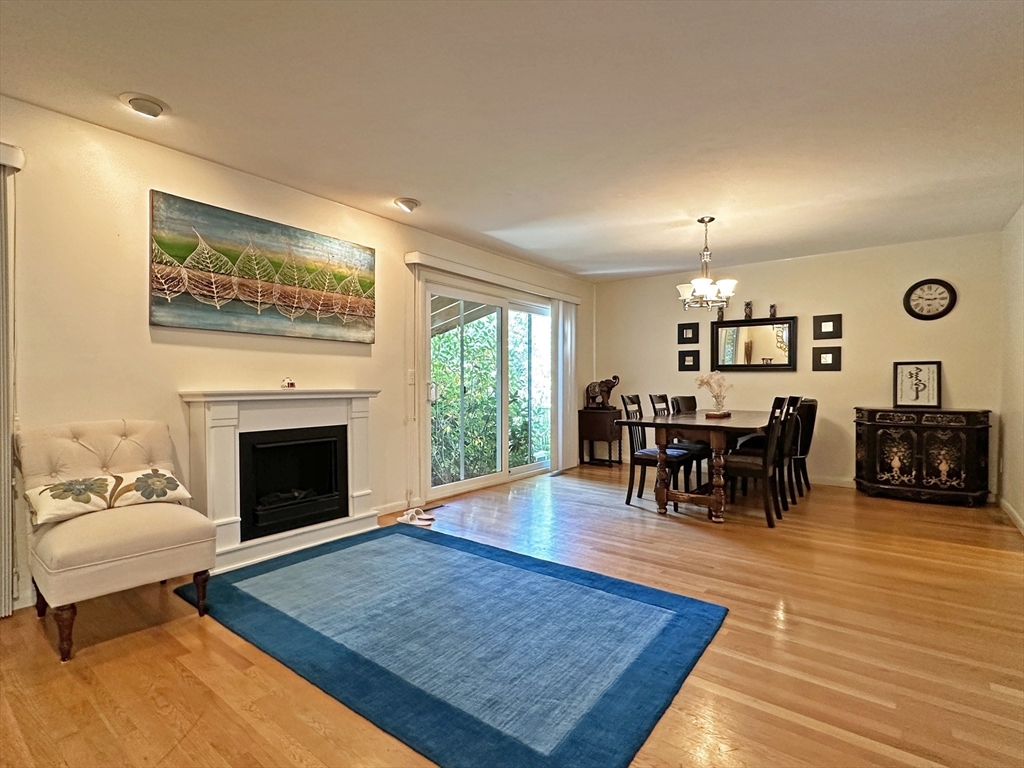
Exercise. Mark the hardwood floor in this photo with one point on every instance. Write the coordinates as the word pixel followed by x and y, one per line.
pixel 861 632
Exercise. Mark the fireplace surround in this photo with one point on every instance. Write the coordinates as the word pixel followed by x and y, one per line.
pixel 332 426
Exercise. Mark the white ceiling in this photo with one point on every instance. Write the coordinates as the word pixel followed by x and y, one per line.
pixel 583 135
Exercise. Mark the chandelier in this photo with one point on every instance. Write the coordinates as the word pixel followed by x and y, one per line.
pixel 703 292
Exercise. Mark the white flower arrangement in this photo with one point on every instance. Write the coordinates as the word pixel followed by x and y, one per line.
pixel 715 384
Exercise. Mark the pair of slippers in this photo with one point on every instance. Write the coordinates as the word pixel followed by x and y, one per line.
pixel 417 517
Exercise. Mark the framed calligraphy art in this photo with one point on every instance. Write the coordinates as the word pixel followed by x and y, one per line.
pixel 917 385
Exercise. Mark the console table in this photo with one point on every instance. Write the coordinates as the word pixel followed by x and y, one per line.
pixel 598 425
pixel 923 454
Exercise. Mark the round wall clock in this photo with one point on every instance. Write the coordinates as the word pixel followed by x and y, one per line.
pixel 929 299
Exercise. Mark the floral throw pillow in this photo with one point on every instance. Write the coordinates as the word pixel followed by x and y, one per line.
pixel 69 498
pixel 146 485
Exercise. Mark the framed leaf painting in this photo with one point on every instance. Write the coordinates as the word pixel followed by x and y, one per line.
pixel 218 270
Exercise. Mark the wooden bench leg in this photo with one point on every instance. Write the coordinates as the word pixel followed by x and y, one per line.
pixel 200 580
pixel 65 618
pixel 40 601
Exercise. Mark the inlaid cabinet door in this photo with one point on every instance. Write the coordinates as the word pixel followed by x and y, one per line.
pixel 896 456
pixel 943 454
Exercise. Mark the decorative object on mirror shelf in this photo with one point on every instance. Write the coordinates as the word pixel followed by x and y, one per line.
pixel 827 359
pixel 929 299
pixel 287 383
pixel 214 269
pixel 828 327
pixel 599 393
pixel 771 310
pixel 748 310
pixel 721 314
pixel 688 333
pixel 737 344
pixel 703 292
pixel 689 360
pixel 715 384
pixel 917 385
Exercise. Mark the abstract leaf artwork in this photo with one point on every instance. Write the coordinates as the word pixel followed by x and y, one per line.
pixel 214 269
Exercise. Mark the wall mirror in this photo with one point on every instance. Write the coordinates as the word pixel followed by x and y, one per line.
pixel 768 344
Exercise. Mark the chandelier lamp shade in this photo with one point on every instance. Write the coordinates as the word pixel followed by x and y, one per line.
pixel 703 292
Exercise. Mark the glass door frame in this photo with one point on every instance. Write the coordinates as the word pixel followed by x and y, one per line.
pixel 504 298
pixel 432 492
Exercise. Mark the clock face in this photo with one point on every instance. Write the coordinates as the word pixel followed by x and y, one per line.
pixel 929 299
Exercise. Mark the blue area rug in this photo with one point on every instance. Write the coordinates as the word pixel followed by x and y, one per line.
pixel 471 655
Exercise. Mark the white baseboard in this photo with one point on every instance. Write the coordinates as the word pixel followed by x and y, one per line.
pixel 395 506
pixel 1013 514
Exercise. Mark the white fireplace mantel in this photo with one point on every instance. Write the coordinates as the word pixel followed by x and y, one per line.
pixel 215 420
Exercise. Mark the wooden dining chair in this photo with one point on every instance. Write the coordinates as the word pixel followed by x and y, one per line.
pixel 807 413
pixel 643 457
pixel 761 465
pixel 786 450
pixel 699 450
pixel 753 445
pixel 683 404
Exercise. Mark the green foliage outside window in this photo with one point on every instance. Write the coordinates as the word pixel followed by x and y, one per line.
pixel 477 376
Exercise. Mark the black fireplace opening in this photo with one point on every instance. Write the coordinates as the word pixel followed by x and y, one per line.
pixel 291 478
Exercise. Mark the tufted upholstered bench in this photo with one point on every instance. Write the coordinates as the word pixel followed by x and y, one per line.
pixel 108 550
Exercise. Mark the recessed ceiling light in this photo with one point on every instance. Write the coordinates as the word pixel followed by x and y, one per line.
pixel 407 204
pixel 147 106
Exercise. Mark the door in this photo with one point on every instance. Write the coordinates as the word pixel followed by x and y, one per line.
pixel 465 389
pixel 529 388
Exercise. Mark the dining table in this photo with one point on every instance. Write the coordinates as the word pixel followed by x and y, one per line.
pixel 698 425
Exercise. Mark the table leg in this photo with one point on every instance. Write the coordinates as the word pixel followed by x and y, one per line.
pixel 717 478
pixel 661 486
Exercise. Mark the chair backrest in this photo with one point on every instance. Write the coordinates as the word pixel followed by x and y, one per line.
pixel 807 412
pixel 632 409
pixel 772 433
pixel 790 422
pixel 683 404
pixel 659 405
pixel 91 448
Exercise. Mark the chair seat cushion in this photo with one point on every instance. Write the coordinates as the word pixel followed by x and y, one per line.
pixel 652 453
pixel 113 534
pixel 120 548
pixel 743 461
pixel 693 446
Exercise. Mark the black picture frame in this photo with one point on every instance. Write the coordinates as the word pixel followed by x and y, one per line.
pixel 689 359
pixel 688 333
pixel 789 365
pixel 929 373
pixel 826 358
pixel 828 327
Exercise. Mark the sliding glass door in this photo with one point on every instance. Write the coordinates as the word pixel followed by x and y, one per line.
pixel 490 388
pixel 465 389
pixel 529 388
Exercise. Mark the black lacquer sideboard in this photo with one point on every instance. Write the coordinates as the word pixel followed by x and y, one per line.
pixel 923 454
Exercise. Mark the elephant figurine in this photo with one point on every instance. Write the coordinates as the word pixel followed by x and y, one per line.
pixel 599 393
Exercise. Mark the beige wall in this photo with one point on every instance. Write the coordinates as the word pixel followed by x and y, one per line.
pixel 636 331
pixel 1012 488
pixel 85 347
